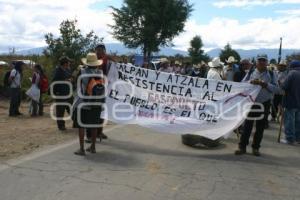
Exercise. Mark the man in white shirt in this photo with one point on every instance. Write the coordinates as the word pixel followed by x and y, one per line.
pixel 216 69
pixel 260 110
pixel 15 79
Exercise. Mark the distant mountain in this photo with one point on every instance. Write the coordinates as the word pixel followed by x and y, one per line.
pixel 120 49
pixel 116 48
pixel 34 51
pixel 272 53
pixel 214 52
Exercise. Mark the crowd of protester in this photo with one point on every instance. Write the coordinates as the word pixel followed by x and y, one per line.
pixel 279 95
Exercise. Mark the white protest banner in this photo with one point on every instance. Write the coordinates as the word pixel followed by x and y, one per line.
pixel 174 103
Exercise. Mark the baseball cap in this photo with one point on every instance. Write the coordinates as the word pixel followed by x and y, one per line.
pixel 64 59
pixel 262 57
pixel 295 64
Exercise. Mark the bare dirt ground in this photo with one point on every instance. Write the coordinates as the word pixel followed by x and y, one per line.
pixel 24 134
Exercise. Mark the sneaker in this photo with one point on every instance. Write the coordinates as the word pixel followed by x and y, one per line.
pixel 102 136
pixel 256 152
pixel 80 152
pixel 284 141
pixel 240 152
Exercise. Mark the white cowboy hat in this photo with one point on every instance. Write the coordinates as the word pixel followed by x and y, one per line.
pixel 216 62
pixel 198 66
pixel 177 62
pixel 283 63
pixel 231 59
pixel 92 60
pixel 203 63
pixel 271 66
pixel 164 60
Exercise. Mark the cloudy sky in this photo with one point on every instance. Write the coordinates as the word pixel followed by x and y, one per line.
pixel 245 24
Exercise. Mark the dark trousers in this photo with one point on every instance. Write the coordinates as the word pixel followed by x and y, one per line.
pixel 41 105
pixel 15 101
pixel 260 119
pixel 277 101
pixel 38 106
pixel 60 111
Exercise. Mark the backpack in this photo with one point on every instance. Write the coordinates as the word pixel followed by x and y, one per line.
pixel 95 88
pixel 44 84
pixel 6 81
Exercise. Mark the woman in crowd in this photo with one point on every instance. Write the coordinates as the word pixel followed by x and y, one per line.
pixel 88 116
pixel 38 74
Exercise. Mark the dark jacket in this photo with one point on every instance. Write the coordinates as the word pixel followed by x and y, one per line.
pixel 291 87
pixel 61 74
pixel 201 74
pixel 239 76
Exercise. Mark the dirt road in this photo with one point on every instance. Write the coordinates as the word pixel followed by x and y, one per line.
pixel 24 134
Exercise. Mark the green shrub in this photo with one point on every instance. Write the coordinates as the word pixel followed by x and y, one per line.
pixel 27 72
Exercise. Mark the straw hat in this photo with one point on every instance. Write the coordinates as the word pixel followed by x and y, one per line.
pixel 177 62
pixel 271 66
pixel 91 60
pixel 197 66
pixel 203 63
pixel 231 59
pixel 164 60
pixel 282 63
pixel 216 62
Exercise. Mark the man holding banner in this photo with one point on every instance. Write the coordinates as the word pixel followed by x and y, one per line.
pixel 258 76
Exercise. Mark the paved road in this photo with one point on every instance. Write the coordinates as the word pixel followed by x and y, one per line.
pixel 137 164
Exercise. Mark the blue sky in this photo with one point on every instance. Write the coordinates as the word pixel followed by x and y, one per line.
pixel 246 24
pixel 205 10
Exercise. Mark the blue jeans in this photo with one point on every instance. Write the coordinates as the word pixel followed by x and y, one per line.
pixel 292 124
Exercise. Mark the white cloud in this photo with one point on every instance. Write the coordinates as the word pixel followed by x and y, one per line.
pixel 247 3
pixel 291 13
pixel 256 33
pixel 23 24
